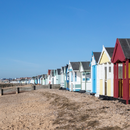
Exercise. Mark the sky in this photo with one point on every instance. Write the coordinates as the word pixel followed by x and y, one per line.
pixel 37 35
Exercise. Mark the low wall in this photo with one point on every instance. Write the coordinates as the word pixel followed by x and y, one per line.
pixel 16 89
pixel 55 86
pixel 11 85
pixel 42 87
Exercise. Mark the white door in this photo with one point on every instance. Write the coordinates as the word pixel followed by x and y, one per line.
pixel 71 86
pixel 105 80
pixel 83 85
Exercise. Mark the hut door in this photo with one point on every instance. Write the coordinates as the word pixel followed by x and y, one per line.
pixel 52 80
pixel 105 80
pixel 71 86
pixel 120 88
pixel 94 79
pixel 68 85
pixel 120 80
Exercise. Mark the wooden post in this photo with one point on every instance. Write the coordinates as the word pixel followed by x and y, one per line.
pixel 1 92
pixel 127 82
pixel 116 80
pixel 49 86
pixel 34 87
pixel 124 79
pixel 85 82
pixel 17 90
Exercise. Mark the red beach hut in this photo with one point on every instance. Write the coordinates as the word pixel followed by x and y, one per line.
pixel 121 60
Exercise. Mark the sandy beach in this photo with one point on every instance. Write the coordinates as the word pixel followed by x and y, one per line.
pixel 48 109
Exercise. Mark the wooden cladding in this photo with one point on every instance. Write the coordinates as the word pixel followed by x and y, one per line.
pixel 120 88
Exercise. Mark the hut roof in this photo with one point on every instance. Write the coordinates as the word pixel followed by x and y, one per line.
pixel 75 65
pixel 110 50
pixel 125 45
pixel 96 56
pixel 58 71
pixel 86 65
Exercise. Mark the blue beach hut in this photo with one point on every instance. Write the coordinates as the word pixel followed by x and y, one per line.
pixel 94 69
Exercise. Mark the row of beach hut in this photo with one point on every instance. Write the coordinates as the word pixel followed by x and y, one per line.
pixel 106 75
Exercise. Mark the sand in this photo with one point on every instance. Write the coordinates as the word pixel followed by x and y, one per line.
pixel 48 109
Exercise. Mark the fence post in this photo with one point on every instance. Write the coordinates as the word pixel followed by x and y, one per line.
pixel 34 87
pixel 49 86
pixel 17 90
pixel 1 92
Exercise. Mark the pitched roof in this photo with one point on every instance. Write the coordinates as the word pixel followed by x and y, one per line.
pixel 44 75
pixel 110 50
pixel 63 69
pixel 86 65
pixel 125 45
pixel 39 76
pixel 75 65
pixel 52 72
pixel 96 56
pixel 58 70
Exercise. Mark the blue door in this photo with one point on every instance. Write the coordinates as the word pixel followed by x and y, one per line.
pixel 36 82
pixel 94 78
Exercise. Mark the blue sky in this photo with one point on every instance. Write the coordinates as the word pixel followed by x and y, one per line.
pixel 37 35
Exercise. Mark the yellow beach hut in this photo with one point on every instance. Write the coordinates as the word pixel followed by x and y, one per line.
pixel 106 76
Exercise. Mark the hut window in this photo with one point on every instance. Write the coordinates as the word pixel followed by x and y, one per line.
pixel 105 72
pixel 120 71
pixel 67 76
pixel 125 70
pixel 129 70
pixel 71 76
pixel 88 74
pixel 83 73
pixel 109 69
pixel 75 76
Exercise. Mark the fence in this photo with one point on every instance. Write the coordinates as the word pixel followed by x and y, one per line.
pixel 16 90
pixel 11 85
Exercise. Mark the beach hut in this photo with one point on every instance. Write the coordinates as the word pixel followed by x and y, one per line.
pixel 29 80
pixel 39 79
pixel 58 76
pixel 85 76
pixel 121 60
pixel 36 80
pixel 66 80
pixel 55 76
pixel 32 80
pixel 62 82
pixel 66 77
pixel 106 73
pixel 49 77
pixel 44 79
pixel 95 72
pixel 52 75
pixel 74 76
